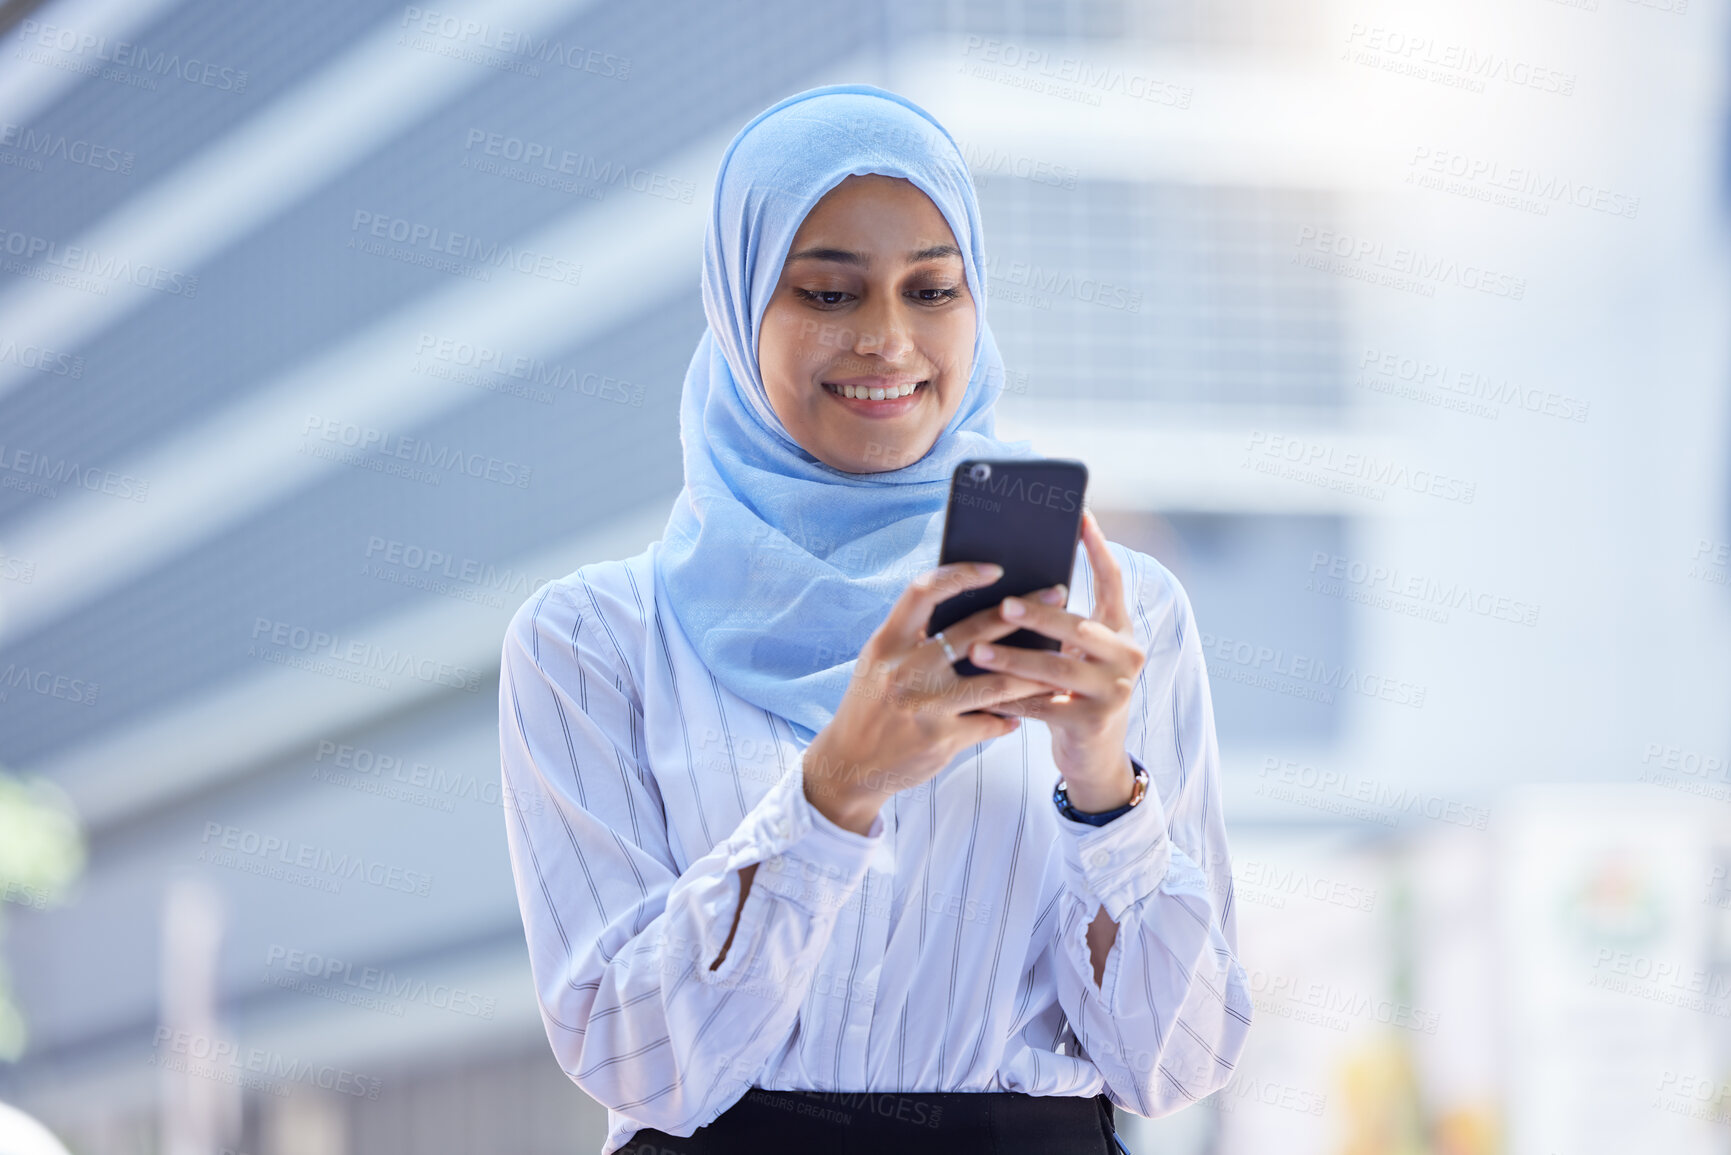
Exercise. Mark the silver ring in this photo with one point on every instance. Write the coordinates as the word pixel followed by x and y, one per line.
pixel 949 652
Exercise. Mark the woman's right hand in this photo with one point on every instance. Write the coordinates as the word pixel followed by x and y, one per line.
pixel 907 713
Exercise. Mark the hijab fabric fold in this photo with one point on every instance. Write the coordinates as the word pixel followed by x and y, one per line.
pixel 778 567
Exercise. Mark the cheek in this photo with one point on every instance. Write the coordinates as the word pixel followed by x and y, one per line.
pixel 788 357
pixel 951 345
pixel 777 348
pixel 792 339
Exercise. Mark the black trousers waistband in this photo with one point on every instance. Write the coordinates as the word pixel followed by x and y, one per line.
pixel 903 1122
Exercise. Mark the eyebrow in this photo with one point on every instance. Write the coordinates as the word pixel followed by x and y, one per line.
pixel 847 257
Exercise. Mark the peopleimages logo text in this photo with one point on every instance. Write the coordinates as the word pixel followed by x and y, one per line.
pixel 1354 466
pixel 75 42
pixel 336 866
pixel 1425 269
pixel 464 31
pixel 375 980
pixel 366 439
pixel 1305 676
pixel 78 259
pixel 418 235
pixel 364 655
pixel 226 1061
pixel 38 143
pixel 45 473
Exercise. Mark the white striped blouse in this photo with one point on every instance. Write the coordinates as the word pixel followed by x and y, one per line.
pixel 945 950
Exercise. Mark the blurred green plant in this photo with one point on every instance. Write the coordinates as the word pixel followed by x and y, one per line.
pixel 41 855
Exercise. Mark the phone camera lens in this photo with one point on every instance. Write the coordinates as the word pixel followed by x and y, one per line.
pixel 979 471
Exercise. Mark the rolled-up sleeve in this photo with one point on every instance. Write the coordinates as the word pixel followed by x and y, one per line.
pixel 620 941
pixel 1169 1016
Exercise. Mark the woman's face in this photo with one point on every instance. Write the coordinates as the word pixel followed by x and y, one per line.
pixel 872 296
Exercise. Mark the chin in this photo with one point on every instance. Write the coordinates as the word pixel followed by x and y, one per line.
pixel 887 457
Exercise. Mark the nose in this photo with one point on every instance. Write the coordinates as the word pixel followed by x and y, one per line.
pixel 883 329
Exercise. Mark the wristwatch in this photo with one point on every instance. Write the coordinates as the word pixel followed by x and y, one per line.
pixel 1062 800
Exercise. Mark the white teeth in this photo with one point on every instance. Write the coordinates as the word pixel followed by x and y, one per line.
pixel 862 393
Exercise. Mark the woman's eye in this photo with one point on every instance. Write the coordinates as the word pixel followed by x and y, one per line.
pixel 820 297
pixel 832 298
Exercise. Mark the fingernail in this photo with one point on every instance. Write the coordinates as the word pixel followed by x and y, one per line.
pixel 1054 596
pixel 1014 608
pixel 984 653
pixel 989 569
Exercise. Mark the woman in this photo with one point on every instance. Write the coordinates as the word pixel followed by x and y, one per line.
pixel 798 883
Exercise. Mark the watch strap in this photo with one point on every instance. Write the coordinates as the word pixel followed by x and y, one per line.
pixel 1062 800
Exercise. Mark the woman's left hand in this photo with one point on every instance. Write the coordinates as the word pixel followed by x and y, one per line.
pixel 1092 675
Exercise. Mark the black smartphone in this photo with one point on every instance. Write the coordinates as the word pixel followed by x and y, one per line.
pixel 1025 515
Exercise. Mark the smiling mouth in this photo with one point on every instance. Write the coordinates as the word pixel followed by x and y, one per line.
pixel 863 393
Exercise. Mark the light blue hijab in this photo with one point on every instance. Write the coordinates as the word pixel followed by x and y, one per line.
pixel 777 566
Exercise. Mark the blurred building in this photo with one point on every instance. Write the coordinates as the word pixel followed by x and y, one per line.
pixel 328 332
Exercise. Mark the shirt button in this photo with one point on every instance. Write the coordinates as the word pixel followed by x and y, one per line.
pixel 1101 858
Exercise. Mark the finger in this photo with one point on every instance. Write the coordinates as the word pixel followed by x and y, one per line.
pixel 905 625
pixel 1033 614
pixel 987 625
pixel 984 692
pixel 1109 604
pixel 1090 679
pixel 1082 637
pixel 1036 705
pixel 971 728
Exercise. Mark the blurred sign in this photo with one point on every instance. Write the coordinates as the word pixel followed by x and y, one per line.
pixel 1613 997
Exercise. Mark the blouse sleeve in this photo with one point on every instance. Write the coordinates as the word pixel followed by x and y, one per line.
pixel 620 940
pixel 1169 1017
